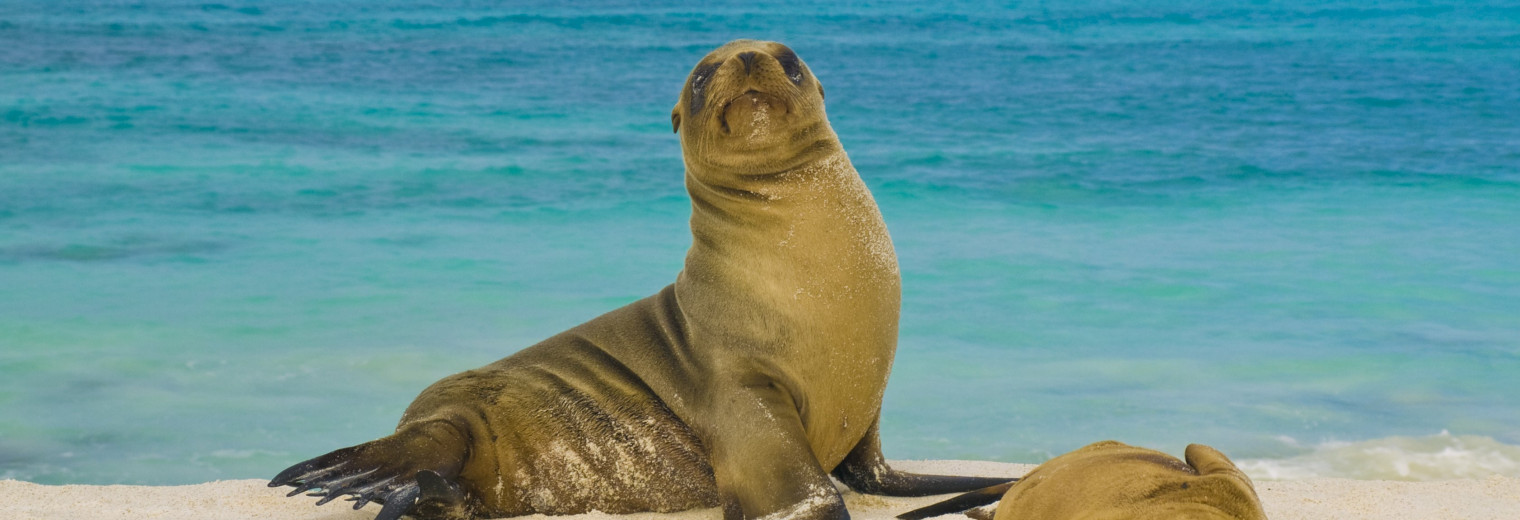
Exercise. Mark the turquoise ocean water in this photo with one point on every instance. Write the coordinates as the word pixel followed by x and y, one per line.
pixel 237 235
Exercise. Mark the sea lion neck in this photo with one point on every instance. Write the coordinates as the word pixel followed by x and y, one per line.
pixel 762 195
pixel 745 167
pixel 819 215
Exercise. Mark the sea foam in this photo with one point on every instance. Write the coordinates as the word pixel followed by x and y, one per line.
pixel 1435 457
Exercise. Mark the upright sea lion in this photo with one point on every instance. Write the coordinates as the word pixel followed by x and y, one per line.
pixel 744 384
pixel 1115 481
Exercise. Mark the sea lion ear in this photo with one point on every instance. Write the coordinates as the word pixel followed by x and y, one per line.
pixel 675 120
pixel 820 90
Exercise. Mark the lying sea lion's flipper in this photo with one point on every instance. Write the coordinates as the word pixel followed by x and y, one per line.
pixel 372 472
pixel 866 470
pixel 978 498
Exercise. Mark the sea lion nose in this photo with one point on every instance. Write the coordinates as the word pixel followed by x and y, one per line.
pixel 748 57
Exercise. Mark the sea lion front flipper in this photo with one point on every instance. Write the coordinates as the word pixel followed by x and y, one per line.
pixel 388 471
pixel 866 470
pixel 761 462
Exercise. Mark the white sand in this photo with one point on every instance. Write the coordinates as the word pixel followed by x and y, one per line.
pixel 1493 498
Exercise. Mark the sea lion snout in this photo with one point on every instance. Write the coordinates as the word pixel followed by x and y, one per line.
pixel 756 63
pixel 753 90
pixel 755 71
pixel 748 57
pixel 784 57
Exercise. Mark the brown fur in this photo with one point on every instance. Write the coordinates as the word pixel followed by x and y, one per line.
pixel 1112 481
pixel 743 384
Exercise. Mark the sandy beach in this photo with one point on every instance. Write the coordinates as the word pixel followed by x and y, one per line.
pixel 1492 498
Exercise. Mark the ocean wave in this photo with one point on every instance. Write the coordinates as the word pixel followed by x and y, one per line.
pixel 1435 457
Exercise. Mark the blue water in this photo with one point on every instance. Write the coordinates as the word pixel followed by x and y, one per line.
pixel 234 236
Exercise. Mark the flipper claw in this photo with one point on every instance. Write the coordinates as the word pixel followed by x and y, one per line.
pixel 374 472
pixel 302 488
pixel 327 498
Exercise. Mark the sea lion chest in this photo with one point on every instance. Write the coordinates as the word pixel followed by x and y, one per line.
pixel 799 284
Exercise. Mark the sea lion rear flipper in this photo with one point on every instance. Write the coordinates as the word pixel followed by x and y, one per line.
pixel 409 468
pixel 866 470
pixel 980 497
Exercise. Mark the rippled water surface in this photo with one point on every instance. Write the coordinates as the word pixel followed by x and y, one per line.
pixel 237 235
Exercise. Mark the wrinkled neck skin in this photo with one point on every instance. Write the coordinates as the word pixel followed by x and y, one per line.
pixel 756 164
pixel 749 185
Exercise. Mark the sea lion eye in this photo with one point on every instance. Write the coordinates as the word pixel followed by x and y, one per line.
pixel 700 76
pixel 790 65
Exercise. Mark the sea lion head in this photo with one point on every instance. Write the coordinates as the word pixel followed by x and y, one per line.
pixel 751 107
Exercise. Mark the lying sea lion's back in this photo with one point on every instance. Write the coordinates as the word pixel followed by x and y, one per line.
pixel 1114 481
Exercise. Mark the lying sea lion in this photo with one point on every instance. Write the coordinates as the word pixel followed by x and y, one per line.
pixel 744 384
pixel 1115 481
